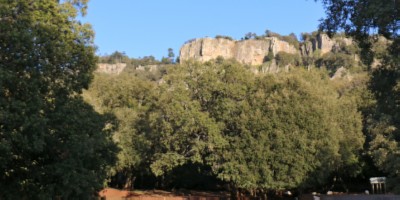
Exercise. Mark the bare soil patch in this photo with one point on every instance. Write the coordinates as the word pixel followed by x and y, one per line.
pixel 115 194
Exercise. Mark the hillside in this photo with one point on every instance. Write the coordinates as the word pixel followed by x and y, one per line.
pixel 268 53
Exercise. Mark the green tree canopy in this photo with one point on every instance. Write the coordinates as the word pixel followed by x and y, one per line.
pixel 363 19
pixel 256 132
pixel 128 98
pixel 291 127
pixel 271 132
pixel 52 144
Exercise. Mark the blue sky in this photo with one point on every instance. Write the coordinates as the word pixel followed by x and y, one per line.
pixel 149 27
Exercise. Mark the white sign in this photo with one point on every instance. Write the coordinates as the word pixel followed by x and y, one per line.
pixel 377 180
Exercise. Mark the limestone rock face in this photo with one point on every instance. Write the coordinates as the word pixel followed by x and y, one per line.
pixel 252 52
pixel 206 49
pixel 150 68
pixel 323 43
pixel 342 73
pixel 280 45
pixel 307 48
pixel 110 68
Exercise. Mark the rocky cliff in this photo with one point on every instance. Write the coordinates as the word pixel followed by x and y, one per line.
pixel 323 43
pixel 110 68
pixel 252 52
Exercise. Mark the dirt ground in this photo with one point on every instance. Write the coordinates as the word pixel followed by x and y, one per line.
pixel 114 194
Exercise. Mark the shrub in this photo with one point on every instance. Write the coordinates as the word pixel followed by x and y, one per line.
pixel 283 59
pixel 224 37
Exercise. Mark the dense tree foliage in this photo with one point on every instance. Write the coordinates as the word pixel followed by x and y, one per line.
pixel 333 61
pixel 52 143
pixel 128 98
pixel 279 134
pixel 295 129
pixel 284 59
pixel 363 19
pixel 255 133
pixel 121 57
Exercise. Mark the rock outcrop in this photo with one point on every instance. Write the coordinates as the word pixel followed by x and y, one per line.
pixel 251 52
pixel 110 68
pixel 341 73
pixel 307 48
pixel 205 49
pixel 324 44
pixel 150 68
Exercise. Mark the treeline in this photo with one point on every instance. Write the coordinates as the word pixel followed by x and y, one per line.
pixel 121 57
pixel 228 128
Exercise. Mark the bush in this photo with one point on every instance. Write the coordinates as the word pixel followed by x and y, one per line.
pixel 283 59
pixel 270 56
pixel 224 37
pixel 291 40
pixel 269 33
pixel 190 41
pixel 333 61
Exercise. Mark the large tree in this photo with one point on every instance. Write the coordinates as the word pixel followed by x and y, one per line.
pixel 266 133
pixel 128 98
pixel 52 144
pixel 363 19
pixel 286 128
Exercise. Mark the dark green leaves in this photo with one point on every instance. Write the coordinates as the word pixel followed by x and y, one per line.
pixel 263 132
pixel 52 143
